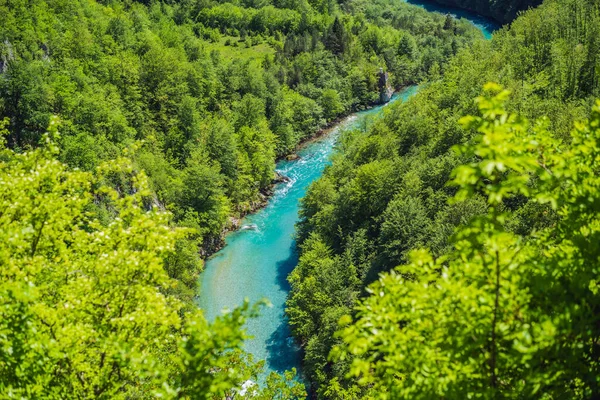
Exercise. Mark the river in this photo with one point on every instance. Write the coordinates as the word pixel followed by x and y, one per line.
pixel 255 262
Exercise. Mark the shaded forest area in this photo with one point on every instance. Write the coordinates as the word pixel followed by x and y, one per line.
pixel 503 11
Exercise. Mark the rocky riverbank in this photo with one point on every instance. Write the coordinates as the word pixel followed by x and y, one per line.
pixel 213 244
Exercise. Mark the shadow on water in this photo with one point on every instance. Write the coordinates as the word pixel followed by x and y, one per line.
pixel 285 267
pixel 282 348
pixel 281 343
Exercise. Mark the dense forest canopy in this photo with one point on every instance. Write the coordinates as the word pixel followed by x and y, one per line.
pixel 500 315
pixel 215 90
pixel 171 116
pixel 87 308
pixel 387 194
pixel 442 256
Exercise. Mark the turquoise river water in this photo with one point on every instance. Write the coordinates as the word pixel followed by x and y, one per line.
pixel 255 263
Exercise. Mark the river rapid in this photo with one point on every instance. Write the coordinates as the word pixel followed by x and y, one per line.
pixel 257 259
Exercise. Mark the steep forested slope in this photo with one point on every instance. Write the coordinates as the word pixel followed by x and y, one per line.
pixel 215 90
pixel 87 309
pixel 500 315
pixel 387 191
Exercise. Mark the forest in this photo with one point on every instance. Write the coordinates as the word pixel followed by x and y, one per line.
pixel 210 94
pixel 450 250
pixel 402 186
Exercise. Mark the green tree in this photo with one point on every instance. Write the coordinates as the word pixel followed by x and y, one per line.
pixel 407 47
pixel 405 226
pixel 295 118
pixel 86 309
pixel 323 289
pixel 203 193
pixel 500 316
pixel 337 40
pixel 332 104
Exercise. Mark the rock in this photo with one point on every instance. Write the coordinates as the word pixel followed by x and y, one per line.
pixel 385 89
pixel 246 387
pixel 249 227
pixel 293 157
pixel 45 52
pixel 503 11
pixel 211 245
pixel 280 178
pixel 6 55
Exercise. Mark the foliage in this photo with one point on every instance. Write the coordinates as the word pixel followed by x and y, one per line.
pixel 500 315
pixel 216 90
pixel 100 261
pixel 386 192
pixel 87 306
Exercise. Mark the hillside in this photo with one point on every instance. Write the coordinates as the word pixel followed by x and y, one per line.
pixel 387 192
pixel 213 92
pixel 449 250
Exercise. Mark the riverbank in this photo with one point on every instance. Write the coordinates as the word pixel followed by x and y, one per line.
pixel 487 25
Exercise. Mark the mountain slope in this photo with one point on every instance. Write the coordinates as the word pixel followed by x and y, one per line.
pixel 386 193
